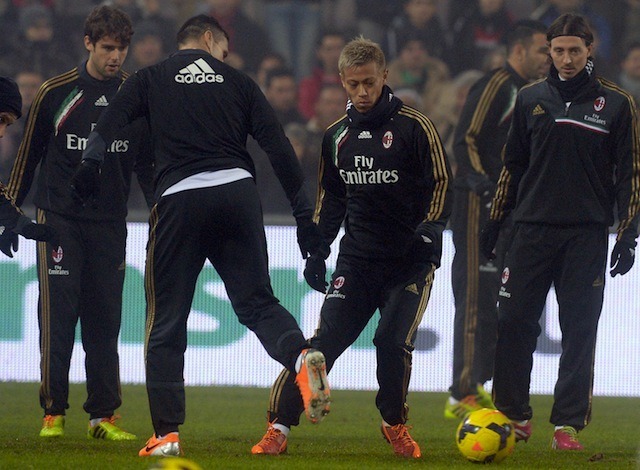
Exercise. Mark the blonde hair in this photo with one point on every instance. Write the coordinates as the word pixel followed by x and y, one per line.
pixel 361 51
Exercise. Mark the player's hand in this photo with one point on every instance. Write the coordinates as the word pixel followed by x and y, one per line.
pixel 421 249
pixel 315 272
pixel 85 182
pixel 488 238
pixel 622 257
pixel 8 242
pixel 41 233
pixel 310 241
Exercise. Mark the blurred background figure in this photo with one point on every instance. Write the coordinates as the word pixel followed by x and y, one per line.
pixel 415 68
pixel 270 61
pixel 248 42
pixel 35 45
pixel 147 47
pixel 325 72
pixel 293 27
pixel 329 107
pixel 629 78
pixel 282 93
pixel 419 19
pixel 477 32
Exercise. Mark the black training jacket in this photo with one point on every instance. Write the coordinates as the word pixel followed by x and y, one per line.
pixel 569 164
pixel 200 111
pixel 62 115
pixel 482 129
pixel 387 175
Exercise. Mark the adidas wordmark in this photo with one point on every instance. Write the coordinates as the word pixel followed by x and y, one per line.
pixel 198 72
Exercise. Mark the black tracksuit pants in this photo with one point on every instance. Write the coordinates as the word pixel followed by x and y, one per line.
pixel 359 287
pixel 475 282
pixel 82 280
pixel 223 224
pixel 573 258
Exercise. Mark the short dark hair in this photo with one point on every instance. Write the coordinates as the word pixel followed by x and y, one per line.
pixel 108 21
pixel 570 24
pixel 522 32
pixel 196 26
pixel 277 73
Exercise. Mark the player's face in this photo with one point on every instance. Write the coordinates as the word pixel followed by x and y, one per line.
pixel 105 57
pixel 569 55
pixel 363 84
pixel 536 57
pixel 6 119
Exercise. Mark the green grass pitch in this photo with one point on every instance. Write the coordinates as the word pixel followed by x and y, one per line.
pixel 224 422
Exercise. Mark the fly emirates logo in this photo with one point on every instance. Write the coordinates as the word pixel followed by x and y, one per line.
pixel 75 142
pixel 365 174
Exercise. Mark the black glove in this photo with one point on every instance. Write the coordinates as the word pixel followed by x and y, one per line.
pixel 85 182
pixel 309 239
pixel 315 272
pixel 41 233
pixel 8 241
pixel 622 257
pixel 421 249
pixel 488 238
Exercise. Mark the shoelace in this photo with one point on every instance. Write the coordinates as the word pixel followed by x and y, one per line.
pixel 272 436
pixel 49 421
pixel 571 432
pixel 402 435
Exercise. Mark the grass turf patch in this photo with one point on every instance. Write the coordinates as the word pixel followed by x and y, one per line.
pixel 223 423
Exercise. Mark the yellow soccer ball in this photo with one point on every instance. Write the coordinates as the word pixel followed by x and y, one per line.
pixel 486 436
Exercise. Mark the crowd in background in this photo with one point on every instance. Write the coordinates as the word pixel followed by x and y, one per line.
pixel 435 49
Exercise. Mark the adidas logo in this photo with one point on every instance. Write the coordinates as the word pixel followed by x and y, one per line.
pixel 537 110
pixel 102 101
pixel 364 135
pixel 413 288
pixel 198 72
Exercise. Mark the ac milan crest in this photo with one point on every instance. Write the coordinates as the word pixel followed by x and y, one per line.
pixel 387 139
pixel 57 255
pixel 599 103
pixel 505 275
pixel 339 282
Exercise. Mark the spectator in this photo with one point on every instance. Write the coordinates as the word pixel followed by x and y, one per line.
pixel 373 17
pixel 416 68
pixel 36 46
pixel 630 74
pixel 163 14
pixel 270 61
pixel 293 27
pixel 282 93
pixel 419 19
pixel 327 52
pixel 330 106
pixel 248 42
pixel 147 46
pixel 478 32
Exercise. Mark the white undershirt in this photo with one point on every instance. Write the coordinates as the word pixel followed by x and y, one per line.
pixel 207 179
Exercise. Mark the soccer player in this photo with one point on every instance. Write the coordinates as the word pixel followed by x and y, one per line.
pixel 479 138
pixel 572 154
pixel 201 111
pixel 82 277
pixel 384 173
pixel 12 221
